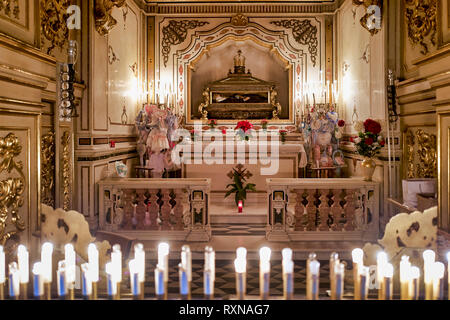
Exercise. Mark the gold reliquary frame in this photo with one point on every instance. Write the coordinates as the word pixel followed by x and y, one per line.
pixel 191 68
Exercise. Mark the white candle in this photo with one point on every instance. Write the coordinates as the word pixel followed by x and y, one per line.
pixel 339 273
pixel 358 263
pixel 22 259
pixel 116 263
pixel 186 261
pixel 429 257
pixel 357 256
pixel 363 282
pixel 210 261
pixel 313 286
pixel 61 276
pixel 405 277
pixel 448 273
pixel 437 274
pixel 111 281
pixel 14 280
pixel 38 283
pixel 163 259
pixel 69 254
pixel 382 260
pixel 133 267
pixel 415 286
pixel 46 260
pixel 388 275
pixel 2 265
pixel 139 257
pixel 93 262
pixel 288 265
pixel 86 275
pixel 264 262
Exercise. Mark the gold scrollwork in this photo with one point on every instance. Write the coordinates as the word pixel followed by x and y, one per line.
pixel 427 168
pixel 48 168
pixel 104 21
pixel 11 189
pixel 239 20
pixel 370 14
pixel 65 143
pixel 5 6
pixel 410 142
pixel 54 22
pixel 421 22
pixel 202 108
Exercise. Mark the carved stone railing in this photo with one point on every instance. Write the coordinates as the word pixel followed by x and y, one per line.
pixel 155 209
pixel 322 210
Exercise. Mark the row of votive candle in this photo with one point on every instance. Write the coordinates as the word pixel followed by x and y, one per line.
pixel 42 274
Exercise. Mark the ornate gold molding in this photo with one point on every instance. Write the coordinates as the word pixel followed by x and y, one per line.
pixel 48 168
pixel 10 8
pixel 65 143
pixel 427 151
pixel 421 22
pixel 370 14
pixel 54 23
pixel 104 21
pixel 239 20
pixel 11 189
pixel 304 33
pixel 175 33
pixel 409 150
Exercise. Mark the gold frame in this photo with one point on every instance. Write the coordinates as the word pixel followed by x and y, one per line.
pixel 440 42
pixel 288 67
pixel 440 115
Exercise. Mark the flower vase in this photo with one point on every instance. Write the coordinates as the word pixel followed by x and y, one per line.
pixel 368 167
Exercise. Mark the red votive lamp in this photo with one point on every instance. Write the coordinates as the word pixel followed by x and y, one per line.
pixel 240 206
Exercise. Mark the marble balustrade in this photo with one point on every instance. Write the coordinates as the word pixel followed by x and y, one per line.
pixel 147 208
pixel 325 209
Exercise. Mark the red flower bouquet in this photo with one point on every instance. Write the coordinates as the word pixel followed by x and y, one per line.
pixel 264 124
pixel 283 134
pixel 243 129
pixel 369 141
pixel 212 123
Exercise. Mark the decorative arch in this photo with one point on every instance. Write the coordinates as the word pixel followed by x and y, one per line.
pixel 278 42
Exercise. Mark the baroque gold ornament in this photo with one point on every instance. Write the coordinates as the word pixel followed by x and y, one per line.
pixel 427 168
pixel 421 22
pixel 65 142
pixel 410 142
pixel 239 20
pixel 54 17
pixel 373 18
pixel 10 148
pixel 104 21
pixel 48 168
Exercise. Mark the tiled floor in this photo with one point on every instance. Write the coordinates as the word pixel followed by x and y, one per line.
pixel 230 229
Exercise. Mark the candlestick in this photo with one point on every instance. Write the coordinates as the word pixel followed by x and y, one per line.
pixel 382 261
pixel 14 281
pixel 288 274
pixel 46 260
pixel 61 276
pixel 414 288
pixel 388 275
pixel 312 283
pixel 22 261
pixel 116 264
pixel 264 272
pixel 186 272
pixel 38 281
pixel 2 273
pixel 163 264
pixel 437 274
pixel 86 281
pixel 93 268
pixel 357 256
pixel 334 261
pixel 209 273
pixel 405 278
pixel 363 282
pixel 339 273
pixel 429 257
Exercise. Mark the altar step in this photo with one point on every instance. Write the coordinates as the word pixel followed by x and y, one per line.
pixel 227 213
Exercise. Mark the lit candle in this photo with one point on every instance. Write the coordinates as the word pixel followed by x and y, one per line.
pixel 61 276
pixel 38 283
pixel 24 270
pixel 358 263
pixel 448 273
pixel 14 281
pixel 111 282
pixel 382 260
pixel 86 281
pixel 388 275
pixel 312 283
pixel 163 265
pixel 363 282
pixel 116 264
pixel 264 272
pixel 240 265
pixel 414 288
pixel 288 274
pixel 134 279
pixel 70 258
pixel 334 261
pixel 2 273
pixel 437 275
pixel 405 278
pixel 429 257
pixel 160 290
pixel 93 268
pixel 240 206
pixel 339 273
pixel 46 260
pixel 139 257
pixel 185 272
pixel 209 273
